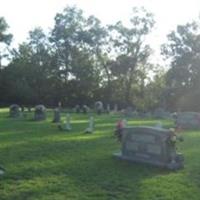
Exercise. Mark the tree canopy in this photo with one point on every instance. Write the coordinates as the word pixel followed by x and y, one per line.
pixel 80 61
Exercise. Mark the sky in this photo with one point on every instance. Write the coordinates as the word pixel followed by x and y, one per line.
pixel 24 15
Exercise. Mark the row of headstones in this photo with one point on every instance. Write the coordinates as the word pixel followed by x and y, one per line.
pixel 16 111
pixel 98 107
pixel 158 113
pixel 182 119
pixel 40 114
pixel 66 125
pixel 185 120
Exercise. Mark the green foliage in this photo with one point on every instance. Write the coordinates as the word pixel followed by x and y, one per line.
pixel 81 61
pixel 183 49
pixel 131 49
pixel 4 37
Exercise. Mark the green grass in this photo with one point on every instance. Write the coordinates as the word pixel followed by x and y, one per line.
pixel 45 164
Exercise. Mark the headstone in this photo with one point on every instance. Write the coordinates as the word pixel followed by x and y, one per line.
pixel 66 126
pixel 77 109
pixel 174 115
pixel 40 113
pixel 188 120
pixel 160 113
pixel 151 145
pixel 15 111
pixel 159 124
pixel 115 108
pixel 60 105
pixel 85 109
pixel 135 114
pixel 108 108
pixel 148 115
pixel 90 127
pixel 56 118
pixel 29 109
pixel 99 107
pixel 128 112
pixel 24 113
pixel 125 123
pixel 22 108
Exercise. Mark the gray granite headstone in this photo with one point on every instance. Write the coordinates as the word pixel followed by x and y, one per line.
pixel 85 109
pixel 160 113
pixel 188 120
pixel 66 126
pixel 40 113
pixel 15 111
pixel 90 127
pixel 151 145
pixel 148 115
pixel 128 112
pixel 77 108
pixel 108 108
pixel 115 108
pixel 56 118
pixel 135 114
pixel 99 107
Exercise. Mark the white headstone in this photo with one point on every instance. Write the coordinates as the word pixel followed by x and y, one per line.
pixel 115 108
pixel 67 125
pixel 90 128
pixel 125 124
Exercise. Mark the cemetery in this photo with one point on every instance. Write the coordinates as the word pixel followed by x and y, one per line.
pixel 101 101
pixel 40 155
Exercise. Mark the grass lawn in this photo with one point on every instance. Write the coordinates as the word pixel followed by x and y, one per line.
pixel 43 163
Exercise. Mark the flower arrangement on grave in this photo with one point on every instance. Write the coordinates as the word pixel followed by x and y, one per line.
pixel 119 129
pixel 174 136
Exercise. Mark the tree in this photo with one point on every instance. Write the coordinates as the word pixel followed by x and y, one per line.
pixel 183 50
pixel 5 38
pixel 30 70
pixel 75 38
pixel 131 49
